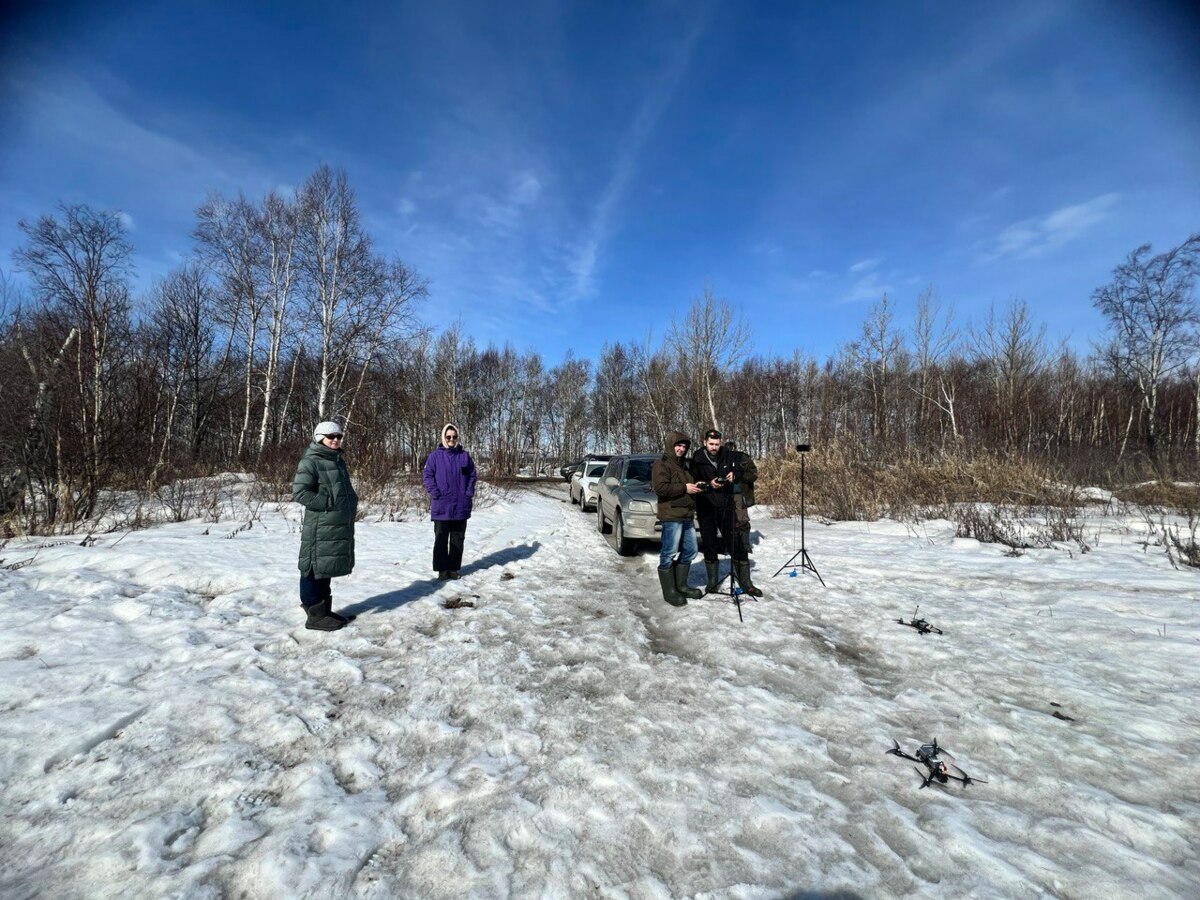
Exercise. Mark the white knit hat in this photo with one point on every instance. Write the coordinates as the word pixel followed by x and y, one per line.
pixel 325 428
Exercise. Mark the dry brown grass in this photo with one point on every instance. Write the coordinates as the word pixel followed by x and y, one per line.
pixel 841 484
pixel 1163 495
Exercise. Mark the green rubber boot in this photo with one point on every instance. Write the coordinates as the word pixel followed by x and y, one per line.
pixel 741 569
pixel 712 570
pixel 681 585
pixel 666 578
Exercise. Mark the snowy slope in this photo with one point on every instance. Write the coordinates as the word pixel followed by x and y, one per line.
pixel 169 728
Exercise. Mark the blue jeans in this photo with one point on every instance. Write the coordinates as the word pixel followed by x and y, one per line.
pixel 314 590
pixel 677 537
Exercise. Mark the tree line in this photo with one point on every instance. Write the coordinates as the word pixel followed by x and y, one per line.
pixel 286 314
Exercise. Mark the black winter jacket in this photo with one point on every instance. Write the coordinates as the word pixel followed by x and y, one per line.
pixel 749 468
pixel 706 468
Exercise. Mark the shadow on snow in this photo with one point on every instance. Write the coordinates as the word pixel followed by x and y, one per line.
pixel 424 588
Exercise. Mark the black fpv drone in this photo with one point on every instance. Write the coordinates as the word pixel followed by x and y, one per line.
pixel 921 625
pixel 940 771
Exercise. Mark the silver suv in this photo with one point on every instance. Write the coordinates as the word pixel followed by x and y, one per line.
pixel 626 504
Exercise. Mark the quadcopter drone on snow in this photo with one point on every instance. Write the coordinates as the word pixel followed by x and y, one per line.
pixel 922 626
pixel 939 771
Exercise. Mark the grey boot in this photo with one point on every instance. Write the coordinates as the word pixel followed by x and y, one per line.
pixel 319 617
pixel 712 570
pixel 666 578
pixel 681 585
pixel 741 569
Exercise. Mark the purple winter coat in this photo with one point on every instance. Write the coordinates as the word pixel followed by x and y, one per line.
pixel 449 478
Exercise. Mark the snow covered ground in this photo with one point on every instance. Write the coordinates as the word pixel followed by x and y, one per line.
pixel 169 729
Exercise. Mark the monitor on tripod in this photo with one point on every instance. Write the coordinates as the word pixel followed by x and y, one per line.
pixel 805 560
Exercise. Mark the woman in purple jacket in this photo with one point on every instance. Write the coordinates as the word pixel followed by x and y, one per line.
pixel 450 480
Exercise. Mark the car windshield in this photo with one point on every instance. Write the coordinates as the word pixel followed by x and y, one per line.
pixel 638 471
pixel 595 469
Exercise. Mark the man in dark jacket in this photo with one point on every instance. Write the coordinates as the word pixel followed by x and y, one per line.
pixel 449 478
pixel 675 488
pixel 746 463
pixel 716 466
pixel 743 490
pixel 322 486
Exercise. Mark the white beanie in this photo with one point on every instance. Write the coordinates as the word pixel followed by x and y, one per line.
pixel 325 428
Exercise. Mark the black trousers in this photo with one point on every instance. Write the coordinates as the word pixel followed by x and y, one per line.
pixel 718 533
pixel 448 540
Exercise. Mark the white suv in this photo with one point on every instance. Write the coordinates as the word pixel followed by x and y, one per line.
pixel 583 484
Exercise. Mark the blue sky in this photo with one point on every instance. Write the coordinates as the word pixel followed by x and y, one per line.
pixel 570 173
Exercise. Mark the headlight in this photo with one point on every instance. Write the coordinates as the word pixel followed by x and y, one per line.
pixel 641 506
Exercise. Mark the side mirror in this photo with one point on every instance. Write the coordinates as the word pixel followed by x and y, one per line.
pixel 611 481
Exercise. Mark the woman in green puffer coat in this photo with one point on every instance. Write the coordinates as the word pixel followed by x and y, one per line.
pixel 322 486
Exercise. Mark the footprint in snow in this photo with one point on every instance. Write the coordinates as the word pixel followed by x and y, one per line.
pixel 253 801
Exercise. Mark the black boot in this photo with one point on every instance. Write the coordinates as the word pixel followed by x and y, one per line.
pixel 712 570
pixel 741 569
pixel 681 585
pixel 320 618
pixel 666 579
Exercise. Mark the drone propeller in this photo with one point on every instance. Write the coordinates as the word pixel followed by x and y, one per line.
pixel 941 751
pixel 964 777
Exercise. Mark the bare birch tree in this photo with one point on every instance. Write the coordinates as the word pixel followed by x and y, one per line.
pixel 229 237
pixel 1011 349
pixel 182 340
pixel 338 269
pixel 934 336
pixel 278 222
pixel 81 265
pixel 1152 317
pixel 875 354
pixel 708 343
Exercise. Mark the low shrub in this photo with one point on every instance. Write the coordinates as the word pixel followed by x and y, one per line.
pixel 1182 545
pixel 1020 528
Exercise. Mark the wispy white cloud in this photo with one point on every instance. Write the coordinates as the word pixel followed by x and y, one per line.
pixel 870 286
pixel 766 248
pixel 587 255
pixel 525 189
pixel 972 222
pixel 505 210
pixel 1040 235
pixel 149 164
pixel 68 111
pixel 865 264
pixel 861 280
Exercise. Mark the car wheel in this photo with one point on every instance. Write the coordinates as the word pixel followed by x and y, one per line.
pixel 600 526
pixel 625 546
pixel 571 491
pixel 583 504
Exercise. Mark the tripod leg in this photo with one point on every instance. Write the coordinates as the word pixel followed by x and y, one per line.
pixel 808 564
pixel 791 559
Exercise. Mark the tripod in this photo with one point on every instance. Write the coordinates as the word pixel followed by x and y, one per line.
pixel 805 560
pixel 726 537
